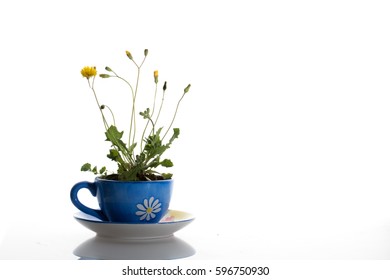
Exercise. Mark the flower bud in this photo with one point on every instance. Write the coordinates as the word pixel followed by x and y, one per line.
pixel 146 51
pixel 102 107
pixel 104 76
pixel 155 74
pixel 108 69
pixel 187 88
pixel 129 55
pixel 165 86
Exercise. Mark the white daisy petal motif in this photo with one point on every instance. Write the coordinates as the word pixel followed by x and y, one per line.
pixel 148 209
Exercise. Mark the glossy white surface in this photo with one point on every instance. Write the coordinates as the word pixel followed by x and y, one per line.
pixel 166 248
pixel 284 146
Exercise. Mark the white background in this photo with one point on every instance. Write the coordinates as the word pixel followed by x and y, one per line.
pixel 284 146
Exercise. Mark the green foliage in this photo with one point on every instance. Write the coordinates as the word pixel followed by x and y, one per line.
pixel 132 166
pixel 141 166
pixel 88 167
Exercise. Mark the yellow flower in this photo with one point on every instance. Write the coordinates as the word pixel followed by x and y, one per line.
pixel 155 74
pixel 88 72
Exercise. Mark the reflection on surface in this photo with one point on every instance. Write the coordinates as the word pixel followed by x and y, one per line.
pixel 101 248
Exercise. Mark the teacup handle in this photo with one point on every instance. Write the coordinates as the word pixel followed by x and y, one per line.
pixel 76 202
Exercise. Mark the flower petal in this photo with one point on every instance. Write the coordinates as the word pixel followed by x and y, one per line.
pixel 157 206
pixel 157 210
pixel 141 207
pixel 143 217
pixel 151 201
pixel 154 203
pixel 152 215
pixel 147 217
pixel 140 213
pixel 146 203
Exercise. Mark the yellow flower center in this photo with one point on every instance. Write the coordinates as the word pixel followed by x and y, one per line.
pixel 149 210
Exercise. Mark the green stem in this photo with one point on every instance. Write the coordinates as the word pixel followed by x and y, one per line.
pixel 133 120
pixel 174 116
pixel 101 111
pixel 161 105
pixel 153 125
pixel 97 102
pixel 150 120
pixel 112 114
pixel 133 93
pixel 154 100
pixel 134 96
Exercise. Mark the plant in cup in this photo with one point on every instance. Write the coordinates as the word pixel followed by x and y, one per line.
pixel 133 165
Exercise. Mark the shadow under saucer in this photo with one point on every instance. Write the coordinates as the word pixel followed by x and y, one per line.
pixel 102 248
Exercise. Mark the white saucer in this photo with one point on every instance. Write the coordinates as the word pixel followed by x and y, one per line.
pixel 170 223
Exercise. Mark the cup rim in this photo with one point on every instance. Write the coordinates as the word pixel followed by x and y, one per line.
pixel 133 182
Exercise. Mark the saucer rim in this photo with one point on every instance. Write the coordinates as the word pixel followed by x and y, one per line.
pixel 98 221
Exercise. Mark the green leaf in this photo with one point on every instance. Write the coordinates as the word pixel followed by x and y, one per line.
pixel 158 132
pixel 176 132
pixel 113 134
pixel 167 163
pixel 94 170
pixel 145 114
pixel 131 148
pixel 114 154
pixel 130 175
pixel 140 159
pixel 167 176
pixel 102 170
pixel 86 167
pixel 154 163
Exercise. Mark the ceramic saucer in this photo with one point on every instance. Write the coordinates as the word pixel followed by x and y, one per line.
pixel 170 223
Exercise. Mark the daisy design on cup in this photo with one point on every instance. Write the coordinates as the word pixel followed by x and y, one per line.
pixel 148 209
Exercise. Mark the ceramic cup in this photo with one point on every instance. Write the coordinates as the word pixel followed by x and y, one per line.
pixel 126 202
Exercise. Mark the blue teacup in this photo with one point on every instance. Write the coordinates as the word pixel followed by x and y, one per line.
pixel 126 202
